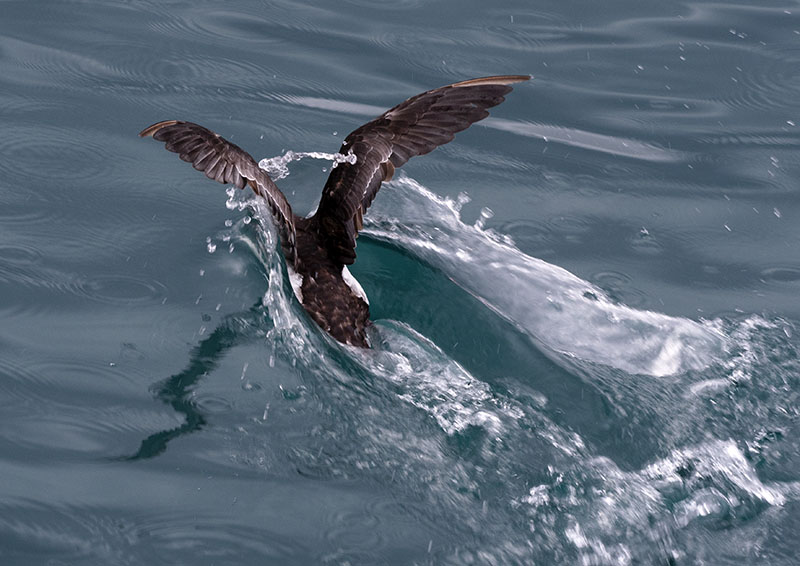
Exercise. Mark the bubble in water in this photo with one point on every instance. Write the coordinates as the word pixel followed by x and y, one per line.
pixel 231 203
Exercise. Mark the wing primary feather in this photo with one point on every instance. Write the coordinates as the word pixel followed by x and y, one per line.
pixel 413 127
pixel 225 162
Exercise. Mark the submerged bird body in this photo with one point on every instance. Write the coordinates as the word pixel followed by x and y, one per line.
pixel 319 249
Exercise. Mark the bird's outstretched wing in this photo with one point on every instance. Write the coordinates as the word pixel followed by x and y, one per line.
pixel 413 127
pixel 227 163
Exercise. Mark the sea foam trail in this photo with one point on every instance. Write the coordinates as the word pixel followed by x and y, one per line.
pixel 646 516
pixel 558 310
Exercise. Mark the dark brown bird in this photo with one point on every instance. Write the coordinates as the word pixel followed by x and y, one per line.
pixel 318 249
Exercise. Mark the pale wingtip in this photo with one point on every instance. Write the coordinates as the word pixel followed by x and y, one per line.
pixel 150 130
pixel 494 80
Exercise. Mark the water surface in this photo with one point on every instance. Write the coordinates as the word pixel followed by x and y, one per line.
pixel 586 344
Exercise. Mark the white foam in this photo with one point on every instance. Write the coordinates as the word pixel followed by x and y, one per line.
pixel 614 515
pixel 277 167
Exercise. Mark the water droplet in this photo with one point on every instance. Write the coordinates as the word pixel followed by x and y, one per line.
pixel 461 200
pixel 229 223
pixel 485 214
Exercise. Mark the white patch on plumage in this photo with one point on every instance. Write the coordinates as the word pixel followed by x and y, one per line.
pixel 354 285
pixel 297 282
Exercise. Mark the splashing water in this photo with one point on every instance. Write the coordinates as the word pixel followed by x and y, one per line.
pixel 585 509
pixel 600 514
pixel 426 377
pixel 278 167
pixel 559 311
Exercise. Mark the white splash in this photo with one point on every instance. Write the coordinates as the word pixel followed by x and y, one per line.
pixel 296 280
pixel 559 311
pixel 433 382
pixel 277 167
pixel 426 377
pixel 624 514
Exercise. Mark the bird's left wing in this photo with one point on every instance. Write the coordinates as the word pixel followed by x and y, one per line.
pixel 226 162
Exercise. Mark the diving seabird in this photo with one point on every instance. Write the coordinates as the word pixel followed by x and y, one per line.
pixel 318 249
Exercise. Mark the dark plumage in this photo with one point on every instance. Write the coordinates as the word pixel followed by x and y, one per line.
pixel 320 247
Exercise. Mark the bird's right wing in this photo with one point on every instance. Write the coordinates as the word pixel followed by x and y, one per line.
pixel 413 127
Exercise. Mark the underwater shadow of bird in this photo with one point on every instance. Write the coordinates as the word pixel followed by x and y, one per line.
pixel 176 390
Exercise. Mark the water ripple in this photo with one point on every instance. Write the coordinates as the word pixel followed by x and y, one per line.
pixel 27 151
pixel 781 274
pixel 118 289
pixel 19 254
pixel 769 84
pixel 78 532
pixel 112 289
pixel 35 65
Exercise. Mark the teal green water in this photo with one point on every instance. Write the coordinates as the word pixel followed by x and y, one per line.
pixel 586 337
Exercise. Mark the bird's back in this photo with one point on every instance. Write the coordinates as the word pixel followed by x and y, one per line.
pixel 328 297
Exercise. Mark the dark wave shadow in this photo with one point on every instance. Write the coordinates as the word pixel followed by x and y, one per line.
pixel 176 389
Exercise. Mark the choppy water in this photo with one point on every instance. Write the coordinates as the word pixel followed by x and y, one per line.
pixel 586 337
